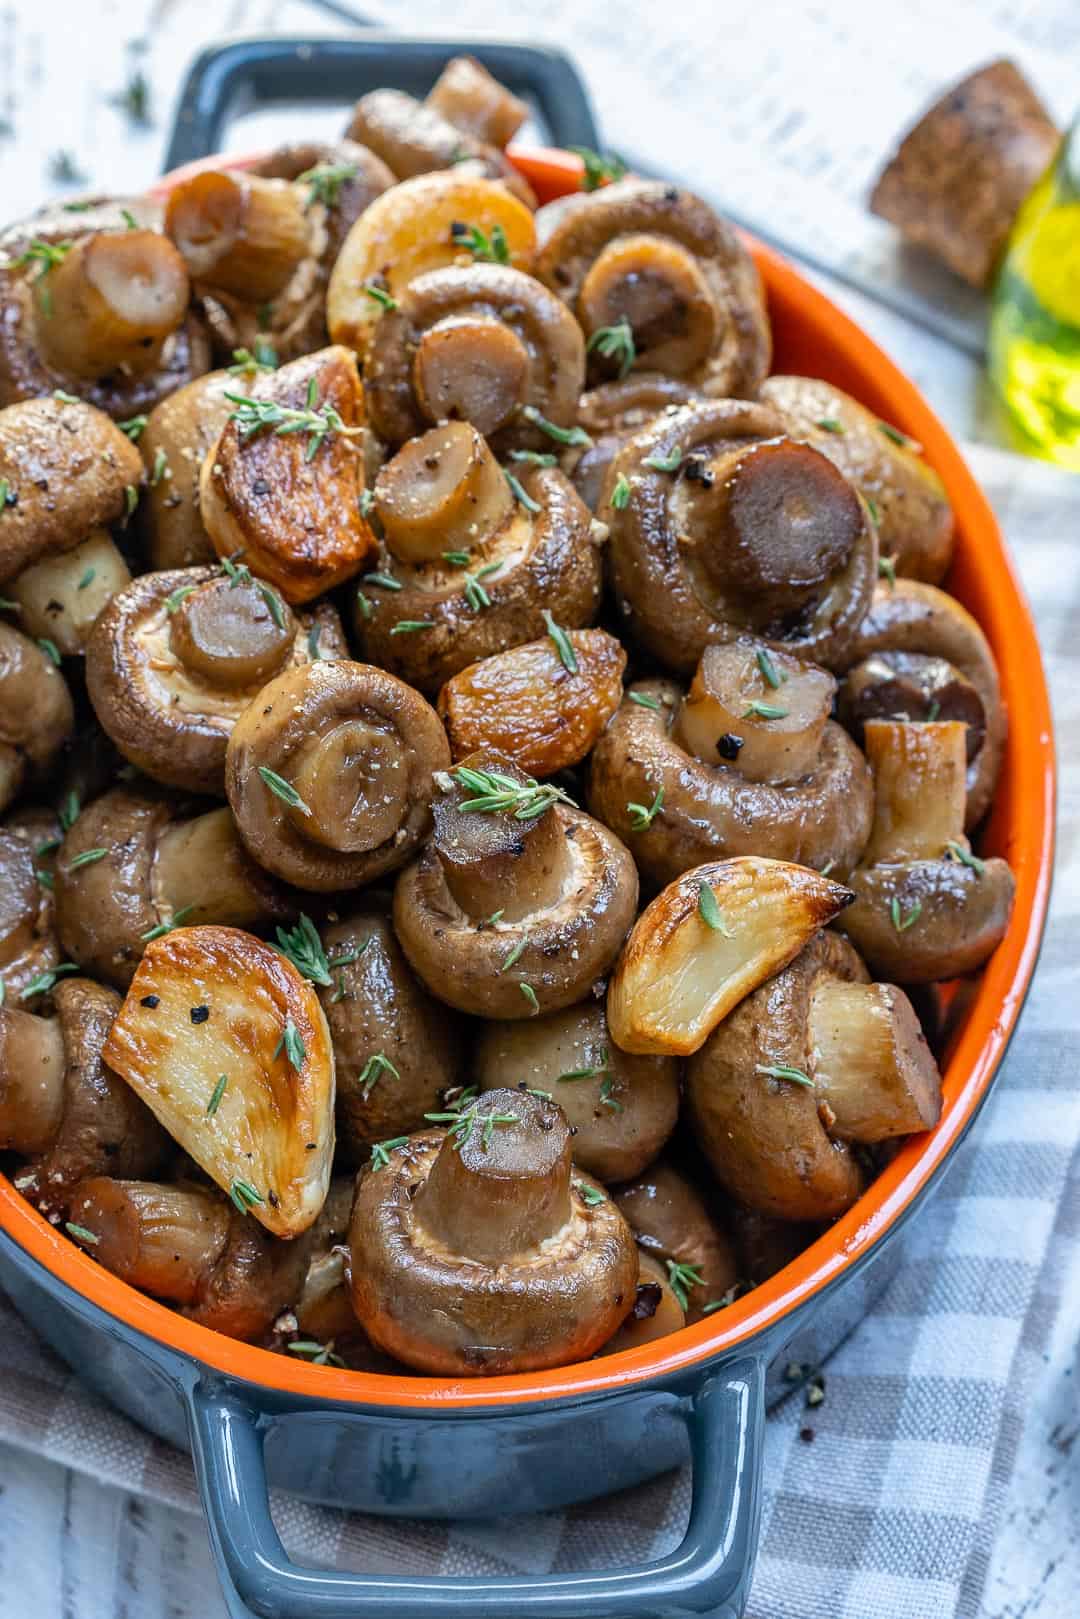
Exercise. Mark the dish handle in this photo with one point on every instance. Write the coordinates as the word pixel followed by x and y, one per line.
pixel 708 1573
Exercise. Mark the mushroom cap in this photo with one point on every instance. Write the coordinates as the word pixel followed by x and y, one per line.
pixel 544 332
pixel 27 936
pixel 566 947
pixel 167 717
pixel 915 522
pixel 764 1137
pixel 36 712
pixel 913 617
pixel 68 467
pixel 183 429
pixel 668 598
pixel 549 560
pixel 674 1224
pixel 951 917
pixel 612 412
pixel 712 812
pixel 378 796
pixel 453 1315
pixel 574 232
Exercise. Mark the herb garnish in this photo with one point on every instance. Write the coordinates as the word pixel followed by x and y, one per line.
pixel 494 793
pixel 131 499
pixel 381 1150
pixel 177 597
pixel 325 181
pixel 48 255
pixel 620 494
pixel 462 1124
pixel 380 295
pixel 886 568
pixel 302 946
pixel 681 1278
pixel 600 167
pixel 515 954
pixel 244 360
pixel 519 493
pixel 830 424
pixel 576 436
pixel 475 594
pixel 160 468
pixel 218 1092
pixel 763 711
pixel 664 463
pixel 614 343
pixel 44 982
pixel 592 1071
pixel 133 427
pixel 317 421
pixel 781 1070
pixel 410 626
pixel 901 922
pixel 293 1044
pixel 159 932
pixel 68 812
pixel 530 995
pixel 769 672
pixel 643 700
pixel 88 857
pixel 283 789
pixel 321 1354
pixel 385 581
pixel 640 817
pixel 372 1071
pixel 607 1095
pixel 456 559
pixel 493 249
pixel 591 1196
pixel 965 857
pixel 535 458
pixel 710 912
pixel 245 1196
pixel 80 1232
pixel 897 437
pixel 50 649
pixel 563 645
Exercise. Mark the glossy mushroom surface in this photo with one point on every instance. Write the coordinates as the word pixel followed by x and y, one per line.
pixel 36 711
pixel 674 1225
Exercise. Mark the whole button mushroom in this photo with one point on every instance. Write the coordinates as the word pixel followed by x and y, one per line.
pixel 484 344
pixel 28 947
pixel 175 659
pixel 479 1250
pixel 815 1061
pixel 179 433
pixel 656 1312
pixel 282 484
pixel 672 1223
pixel 330 771
pixel 133 866
pixel 238 232
pixel 621 1108
pixel 926 908
pixel 915 523
pixel 746 762
pixel 519 902
pixel 919 655
pixel 658 282
pixel 610 414
pixel 36 711
pixel 62 1105
pixel 95 307
pixel 719 522
pixel 417 138
pixel 471 565
pixel 187 1244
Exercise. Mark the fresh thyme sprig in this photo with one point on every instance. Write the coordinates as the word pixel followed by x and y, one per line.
pixel 900 921
pixel 599 167
pixel 640 817
pixel 318 421
pixel 664 463
pixel 957 851
pixel 244 360
pixel 48 255
pixel 463 1124
pixel 133 427
pixel 283 789
pixel 494 793
pixel 44 982
pixel 380 295
pixel 324 182
pixel 681 1278
pixel 293 1045
pixel 614 343
pixel 475 594
pixel 563 644
pixel 783 1070
pixel 520 494
pixel 376 1066
pixel 245 1197
pixel 381 1150
pixel 303 947
pixel 763 711
pixel 643 700
pixel 215 1098
pixel 589 1071
pixel 493 249
pixel 570 436
pixel 319 1354
pixel 620 494
pixel 159 932
pixel 769 672
pixel 710 912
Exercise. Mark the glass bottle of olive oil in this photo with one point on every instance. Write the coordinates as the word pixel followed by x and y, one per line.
pixel 1035 317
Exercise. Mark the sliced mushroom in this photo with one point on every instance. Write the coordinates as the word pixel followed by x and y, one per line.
pixel 61 1103
pixel 36 712
pixel 491 573
pixel 396 1050
pixel 647 256
pixel 132 866
pixel 282 483
pixel 28 946
pixel 919 655
pixel 914 520
pixel 622 1109
pixel 187 1245
pixel 479 1249
pixel 179 433
pixel 656 1311
pixel 329 772
pixel 543 704
pixel 673 1224
pixel 926 908
pixel 226 1043
pixel 175 659
pixel 411 229
pixel 417 139
pixel 720 523
pixel 519 902
pixel 612 413
pixel 706 942
pixel 816 1059
pixel 467 94
pixel 746 762
pixel 483 344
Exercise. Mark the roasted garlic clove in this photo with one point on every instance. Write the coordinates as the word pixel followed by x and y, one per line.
pixel 706 941
pixel 227 1044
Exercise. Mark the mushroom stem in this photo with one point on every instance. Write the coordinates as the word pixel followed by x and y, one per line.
pixel 324 1309
pixel 660 290
pixel 111 303
pixel 471 368
pixel 353 781
pixel 873 1069
pixel 492 861
pixel 920 782
pixel 200 868
pixel 443 491
pixel 500 1185
pixel 32 1062
pixel 164 1240
pixel 468 97
pixel 61 596
pixel 235 633
pixel 239 233
pixel 757 708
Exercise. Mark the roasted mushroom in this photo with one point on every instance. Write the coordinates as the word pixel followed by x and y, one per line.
pixel 746 762
pixel 484 344
pixel 176 658
pixel 467 569
pixel 659 283
pixel 225 1041
pixel 519 902
pixel 719 523
pixel 282 484
pixel 62 1105
pixel 543 704
pixel 919 655
pixel 179 433
pixel 816 1059
pixel 656 1310
pixel 476 103
pixel 420 225
pixel 97 310
pixel 416 138
pixel 36 712
pixel 906 497
pixel 187 1245
pixel 28 945
pixel 672 1223
pixel 926 907
pixel 622 1109
pixel 329 772
pixel 706 941
pixel 238 232
pixel 133 866
pixel 480 1250
pixel 610 414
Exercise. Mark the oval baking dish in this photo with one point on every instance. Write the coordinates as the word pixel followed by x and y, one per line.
pixel 420 1446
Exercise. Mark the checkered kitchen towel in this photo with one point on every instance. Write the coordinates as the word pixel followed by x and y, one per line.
pixel 891 1511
